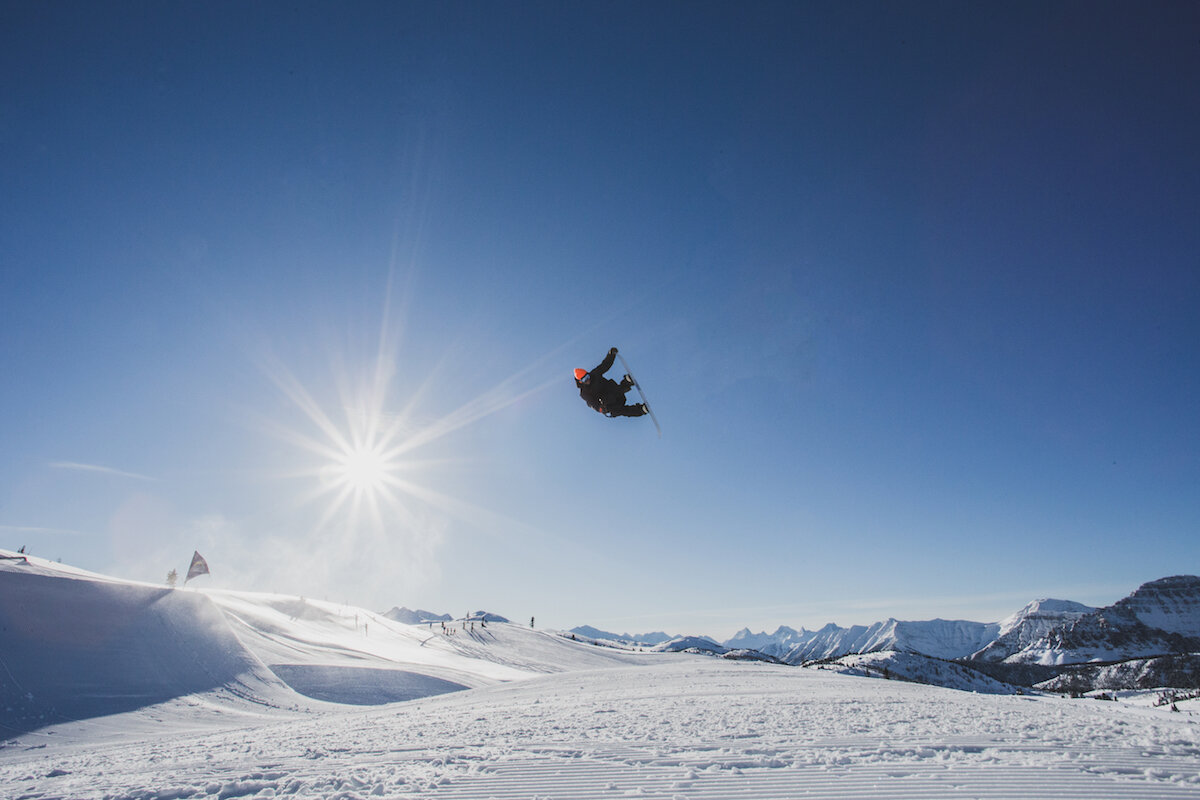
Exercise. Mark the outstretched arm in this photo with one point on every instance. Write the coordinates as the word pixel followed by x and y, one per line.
pixel 606 364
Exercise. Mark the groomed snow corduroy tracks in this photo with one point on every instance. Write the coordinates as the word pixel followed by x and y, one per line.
pixel 957 770
pixel 690 727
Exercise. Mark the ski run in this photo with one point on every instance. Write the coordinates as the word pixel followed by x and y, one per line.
pixel 505 711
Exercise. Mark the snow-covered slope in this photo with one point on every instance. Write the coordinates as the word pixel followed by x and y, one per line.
pixel 1106 634
pixel 1168 604
pixel 686 727
pixel 1029 625
pixel 775 644
pixel 76 645
pixel 649 639
pixel 410 617
pixel 690 644
pixel 797 646
pixel 1160 617
pixel 939 638
pixel 191 686
pixel 826 642
pixel 917 668
pixel 1149 673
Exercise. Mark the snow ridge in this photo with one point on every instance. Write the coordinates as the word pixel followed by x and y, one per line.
pixel 1029 625
pixel 645 639
pixel 775 644
pixel 1160 617
pixel 938 638
pixel 77 646
pixel 1168 604
pixel 1107 634
pixel 917 668
pixel 411 617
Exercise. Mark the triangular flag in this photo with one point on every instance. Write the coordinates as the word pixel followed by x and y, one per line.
pixel 199 566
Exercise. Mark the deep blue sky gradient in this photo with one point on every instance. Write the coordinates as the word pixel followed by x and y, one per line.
pixel 915 289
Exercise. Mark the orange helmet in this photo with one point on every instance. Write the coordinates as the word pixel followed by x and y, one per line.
pixel 580 372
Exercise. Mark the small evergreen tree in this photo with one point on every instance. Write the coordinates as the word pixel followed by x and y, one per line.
pixel 172 577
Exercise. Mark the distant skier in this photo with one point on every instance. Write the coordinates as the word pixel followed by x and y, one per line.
pixel 604 394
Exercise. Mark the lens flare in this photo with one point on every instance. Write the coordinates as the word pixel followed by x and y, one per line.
pixel 363 470
pixel 366 461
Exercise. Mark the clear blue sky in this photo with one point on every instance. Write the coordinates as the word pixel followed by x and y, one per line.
pixel 914 289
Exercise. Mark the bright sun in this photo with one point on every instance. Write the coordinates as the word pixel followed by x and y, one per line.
pixel 361 456
pixel 362 469
pixel 358 456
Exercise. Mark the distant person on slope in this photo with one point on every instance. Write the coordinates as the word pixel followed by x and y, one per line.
pixel 604 394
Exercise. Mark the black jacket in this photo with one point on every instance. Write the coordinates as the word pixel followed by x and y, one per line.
pixel 601 393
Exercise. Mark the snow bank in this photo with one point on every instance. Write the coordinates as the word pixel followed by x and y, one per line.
pixel 76 647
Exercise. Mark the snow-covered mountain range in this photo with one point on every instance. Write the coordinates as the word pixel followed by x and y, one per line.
pixel 1168 604
pixel 1160 618
pixel 647 639
pixel 1026 627
pixel 410 617
pixel 939 638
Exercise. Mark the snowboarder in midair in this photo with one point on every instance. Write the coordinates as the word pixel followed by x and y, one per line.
pixel 604 394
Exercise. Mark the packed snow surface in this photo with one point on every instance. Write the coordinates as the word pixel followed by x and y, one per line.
pixel 129 692
pixel 686 727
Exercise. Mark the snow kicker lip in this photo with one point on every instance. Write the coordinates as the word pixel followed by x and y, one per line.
pixel 76 648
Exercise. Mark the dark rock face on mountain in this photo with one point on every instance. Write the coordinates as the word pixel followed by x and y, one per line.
pixel 1104 635
pixel 1160 618
pixel 1149 639
pixel 1029 625
pixel 1168 604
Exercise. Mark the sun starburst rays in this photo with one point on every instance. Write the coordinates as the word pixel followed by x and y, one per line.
pixel 367 463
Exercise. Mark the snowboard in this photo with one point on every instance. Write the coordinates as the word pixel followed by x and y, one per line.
pixel 637 385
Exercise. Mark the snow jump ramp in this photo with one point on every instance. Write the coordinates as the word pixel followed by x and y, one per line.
pixel 74 648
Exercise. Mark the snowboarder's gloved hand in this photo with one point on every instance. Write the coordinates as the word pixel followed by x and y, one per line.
pixel 612 352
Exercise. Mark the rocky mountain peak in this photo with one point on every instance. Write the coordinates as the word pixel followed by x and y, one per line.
pixel 1169 604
